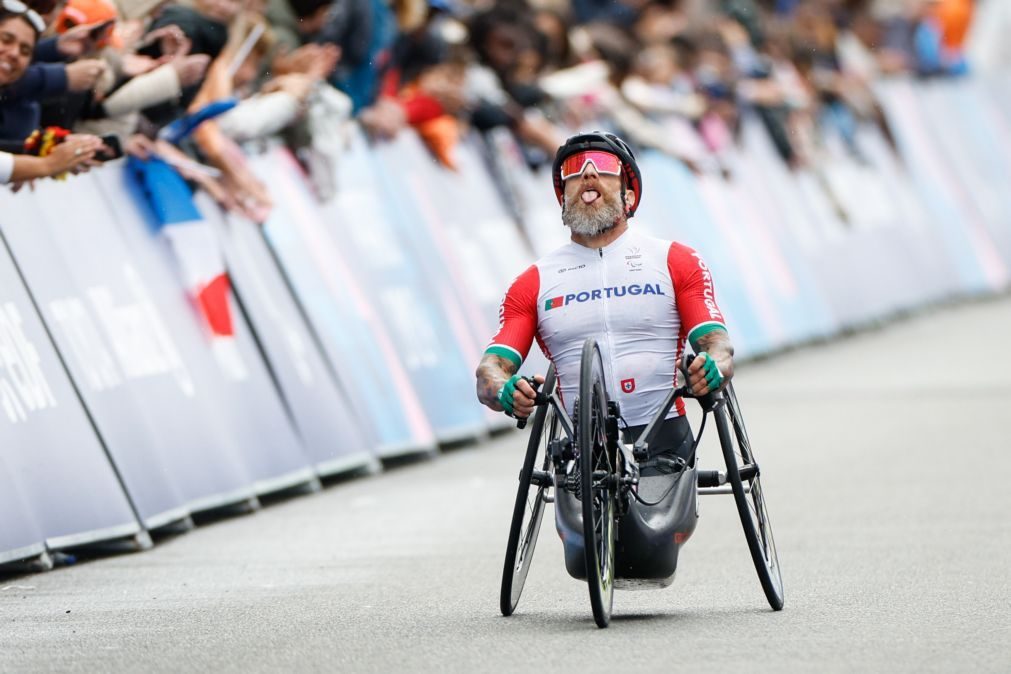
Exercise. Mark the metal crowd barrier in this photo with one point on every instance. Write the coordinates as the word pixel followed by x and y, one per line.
pixel 141 384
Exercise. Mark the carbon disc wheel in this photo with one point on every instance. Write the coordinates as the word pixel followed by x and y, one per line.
pixel 598 468
pixel 531 498
pixel 744 478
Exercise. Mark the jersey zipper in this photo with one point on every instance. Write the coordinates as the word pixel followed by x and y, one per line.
pixel 609 361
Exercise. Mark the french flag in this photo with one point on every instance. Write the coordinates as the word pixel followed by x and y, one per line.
pixel 197 254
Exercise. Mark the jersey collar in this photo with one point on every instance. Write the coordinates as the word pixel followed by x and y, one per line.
pixel 614 245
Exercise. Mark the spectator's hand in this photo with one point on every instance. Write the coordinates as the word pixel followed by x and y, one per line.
pixel 327 58
pixel 84 75
pixel 538 131
pixel 297 86
pixel 384 119
pixel 248 192
pixel 733 33
pixel 315 60
pixel 140 146
pixel 191 68
pixel 77 41
pixel 136 64
pixel 131 32
pixel 444 85
pixel 172 41
pixel 76 154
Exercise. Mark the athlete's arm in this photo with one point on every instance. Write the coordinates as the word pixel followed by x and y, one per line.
pixel 716 345
pixel 701 321
pixel 498 385
pixel 493 374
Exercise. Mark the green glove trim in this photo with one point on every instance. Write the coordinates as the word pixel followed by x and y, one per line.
pixel 712 372
pixel 506 393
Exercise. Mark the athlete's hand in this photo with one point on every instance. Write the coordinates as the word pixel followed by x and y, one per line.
pixel 517 396
pixel 704 375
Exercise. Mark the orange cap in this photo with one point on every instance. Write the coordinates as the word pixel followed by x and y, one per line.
pixel 90 12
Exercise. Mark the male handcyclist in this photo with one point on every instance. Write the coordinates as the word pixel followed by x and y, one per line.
pixel 640 297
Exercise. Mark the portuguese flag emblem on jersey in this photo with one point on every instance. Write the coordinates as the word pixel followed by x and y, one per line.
pixel 554 303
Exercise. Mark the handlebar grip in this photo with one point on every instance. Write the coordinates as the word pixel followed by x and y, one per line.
pixel 539 399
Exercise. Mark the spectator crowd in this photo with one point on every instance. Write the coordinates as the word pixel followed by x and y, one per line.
pixel 194 81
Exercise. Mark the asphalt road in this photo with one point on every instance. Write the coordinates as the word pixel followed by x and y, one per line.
pixel 885 461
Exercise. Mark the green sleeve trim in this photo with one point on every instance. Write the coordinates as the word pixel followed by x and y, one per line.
pixel 703 329
pixel 510 354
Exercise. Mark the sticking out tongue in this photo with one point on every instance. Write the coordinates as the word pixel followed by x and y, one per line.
pixel 589 196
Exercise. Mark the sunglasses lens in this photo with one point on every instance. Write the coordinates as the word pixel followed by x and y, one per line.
pixel 603 162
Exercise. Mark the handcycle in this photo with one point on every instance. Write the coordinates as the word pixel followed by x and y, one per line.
pixel 580 464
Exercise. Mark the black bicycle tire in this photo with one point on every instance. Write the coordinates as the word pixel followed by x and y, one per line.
pixel 510 592
pixel 765 557
pixel 601 588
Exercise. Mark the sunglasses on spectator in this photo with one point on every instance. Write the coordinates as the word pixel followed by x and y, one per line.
pixel 21 9
pixel 604 162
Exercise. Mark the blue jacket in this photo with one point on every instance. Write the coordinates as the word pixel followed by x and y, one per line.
pixel 19 102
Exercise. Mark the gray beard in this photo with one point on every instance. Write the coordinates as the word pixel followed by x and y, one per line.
pixel 591 222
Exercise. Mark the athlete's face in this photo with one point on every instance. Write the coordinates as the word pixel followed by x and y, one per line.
pixel 593 202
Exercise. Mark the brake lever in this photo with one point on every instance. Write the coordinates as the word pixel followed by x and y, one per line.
pixel 686 390
pixel 539 399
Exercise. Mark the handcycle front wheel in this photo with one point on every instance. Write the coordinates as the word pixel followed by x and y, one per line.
pixel 598 478
pixel 744 478
pixel 530 500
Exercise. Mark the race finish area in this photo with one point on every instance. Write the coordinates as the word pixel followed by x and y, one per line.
pixel 884 462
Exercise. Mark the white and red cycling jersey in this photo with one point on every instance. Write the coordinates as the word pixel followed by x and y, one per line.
pixel 640 297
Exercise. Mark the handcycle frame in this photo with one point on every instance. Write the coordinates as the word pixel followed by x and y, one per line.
pixel 608 472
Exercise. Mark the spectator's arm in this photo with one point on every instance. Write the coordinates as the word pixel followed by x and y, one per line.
pixel 47 51
pixel 662 101
pixel 77 152
pixel 246 191
pixel 640 129
pixel 259 116
pixel 6 167
pixel 486 116
pixel 41 80
pixel 158 86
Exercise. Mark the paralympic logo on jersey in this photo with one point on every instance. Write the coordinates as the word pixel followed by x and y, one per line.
pixel 601 293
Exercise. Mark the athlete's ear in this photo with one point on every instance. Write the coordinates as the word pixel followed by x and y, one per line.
pixel 629 201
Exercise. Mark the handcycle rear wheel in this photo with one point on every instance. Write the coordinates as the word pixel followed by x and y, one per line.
pixel 530 499
pixel 598 479
pixel 746 484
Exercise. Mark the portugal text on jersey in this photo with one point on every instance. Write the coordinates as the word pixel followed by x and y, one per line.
pixel 639 297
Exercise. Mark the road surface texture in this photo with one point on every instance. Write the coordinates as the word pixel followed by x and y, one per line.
pixel 885 460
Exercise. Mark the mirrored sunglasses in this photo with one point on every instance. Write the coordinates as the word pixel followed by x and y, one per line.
pixel 603 162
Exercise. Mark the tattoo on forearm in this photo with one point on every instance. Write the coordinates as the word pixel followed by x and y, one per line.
pixel 492 373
